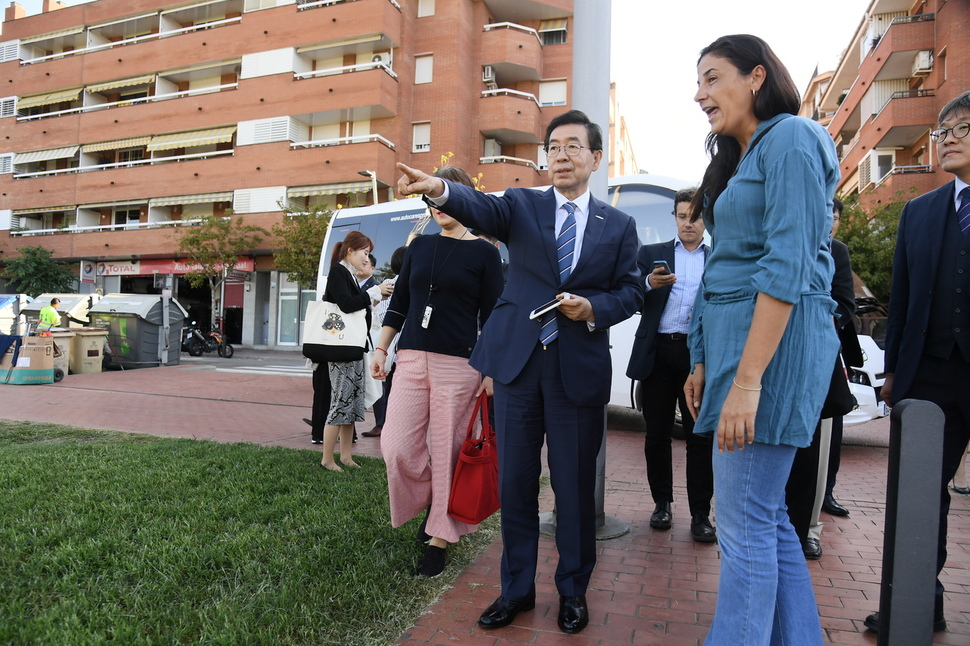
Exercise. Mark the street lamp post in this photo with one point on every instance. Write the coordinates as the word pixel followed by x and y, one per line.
pixel 373 181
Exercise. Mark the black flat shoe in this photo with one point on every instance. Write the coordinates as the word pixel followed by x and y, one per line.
pixel 702 530
pixel 433 562
pixel 573 614
pixel 830 506
pixel 308 422
pixel 661 517
pixel 502 612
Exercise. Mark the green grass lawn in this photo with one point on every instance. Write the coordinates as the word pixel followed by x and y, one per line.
pixel 112 538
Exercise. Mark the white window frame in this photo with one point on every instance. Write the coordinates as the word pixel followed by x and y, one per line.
pixel 421 137
pixel 423 69
pixel 554 92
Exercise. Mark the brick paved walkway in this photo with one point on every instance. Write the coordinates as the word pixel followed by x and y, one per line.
pixel 649 587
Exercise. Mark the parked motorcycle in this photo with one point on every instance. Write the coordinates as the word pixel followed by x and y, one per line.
pixel 196 343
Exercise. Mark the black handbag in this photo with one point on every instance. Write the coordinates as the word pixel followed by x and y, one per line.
pixel 839 400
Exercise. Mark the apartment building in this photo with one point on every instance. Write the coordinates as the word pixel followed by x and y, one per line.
pixel 123 121
pixel 905 62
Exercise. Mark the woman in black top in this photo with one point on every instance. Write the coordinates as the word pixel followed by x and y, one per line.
pixel 447 288
pixel 347 377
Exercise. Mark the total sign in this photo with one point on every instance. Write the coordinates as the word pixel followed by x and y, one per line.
pixel 130 268
pixel 87 271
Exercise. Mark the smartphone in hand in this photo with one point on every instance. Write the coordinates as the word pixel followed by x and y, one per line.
pixel 662 264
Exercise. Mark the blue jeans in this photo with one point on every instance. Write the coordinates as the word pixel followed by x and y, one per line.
pixel 765 594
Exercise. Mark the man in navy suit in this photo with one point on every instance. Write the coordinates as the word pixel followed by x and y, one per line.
pixel 928 329
pixel 661 362
pixel 554 388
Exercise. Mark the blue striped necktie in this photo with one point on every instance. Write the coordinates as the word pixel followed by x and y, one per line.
pixel 565 246
pixel 963 215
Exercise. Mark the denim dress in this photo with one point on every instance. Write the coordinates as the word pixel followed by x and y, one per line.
pixel 770 235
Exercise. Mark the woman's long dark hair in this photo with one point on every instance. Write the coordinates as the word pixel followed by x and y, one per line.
pixel 778 95
pixel 355 240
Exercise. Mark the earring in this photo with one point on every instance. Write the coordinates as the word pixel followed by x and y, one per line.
pixel 754 92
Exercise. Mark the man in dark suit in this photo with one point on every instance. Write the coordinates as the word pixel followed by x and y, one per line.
pixel 928 328
pixel 552 373
pixel 661 362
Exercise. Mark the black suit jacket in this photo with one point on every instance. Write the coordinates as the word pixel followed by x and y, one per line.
pixel 654 302
pixel 915 265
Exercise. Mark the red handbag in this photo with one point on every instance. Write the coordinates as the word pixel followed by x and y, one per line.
pixel 474 489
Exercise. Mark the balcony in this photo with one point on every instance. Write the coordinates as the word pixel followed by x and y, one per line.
pixel 511 117
pixel 905 118
pixel 514 52
pixel 499 175
pixel 892 58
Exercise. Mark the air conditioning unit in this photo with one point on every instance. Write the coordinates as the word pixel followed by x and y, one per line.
pixel 923 63
pixel 488 74
pixel 377 58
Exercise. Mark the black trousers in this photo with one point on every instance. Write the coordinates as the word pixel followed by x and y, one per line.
pixel 321 401
pixel 802 484
pixel 660 392
pixel 835 455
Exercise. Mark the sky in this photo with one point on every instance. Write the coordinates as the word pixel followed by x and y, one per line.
pixel 654 49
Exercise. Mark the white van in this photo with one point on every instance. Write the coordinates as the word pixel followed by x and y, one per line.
pixel 649 199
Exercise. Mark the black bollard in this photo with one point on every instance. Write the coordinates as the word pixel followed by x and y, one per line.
pixel 906 601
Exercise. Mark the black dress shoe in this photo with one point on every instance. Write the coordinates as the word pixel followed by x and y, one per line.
pixel 830 506
pixel 812 549
pixel 502 612
pixel 702 530
pixel 661 517
pixel 573 614
pixel 872 622
pixel 308 422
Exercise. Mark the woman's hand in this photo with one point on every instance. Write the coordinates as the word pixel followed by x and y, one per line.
pixel 486 387
pixel 694 390
pixel 377 366
pixel 735 428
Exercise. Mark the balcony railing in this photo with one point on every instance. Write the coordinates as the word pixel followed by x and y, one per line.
pixel 334 71
pixel 316 4
pixel 505 159
pixel 919 17
pixel 127 164
pixel 144 99
pixel 905 94
pixel 511 25
pixel 340 141
pixel 508 92
pixel 128 226
pixel 903 170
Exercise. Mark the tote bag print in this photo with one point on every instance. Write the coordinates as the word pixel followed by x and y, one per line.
pixel 333 335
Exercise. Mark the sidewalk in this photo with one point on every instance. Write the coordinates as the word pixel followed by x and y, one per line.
pixel 649 587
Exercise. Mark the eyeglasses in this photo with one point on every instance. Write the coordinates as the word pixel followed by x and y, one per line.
pixel 959 132
pixel 571 150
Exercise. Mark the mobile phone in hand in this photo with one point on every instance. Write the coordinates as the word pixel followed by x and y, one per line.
pixel 662 264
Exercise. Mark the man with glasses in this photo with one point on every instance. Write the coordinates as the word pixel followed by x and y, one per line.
pixel 660 360
pixel 551 371
pixel 928 328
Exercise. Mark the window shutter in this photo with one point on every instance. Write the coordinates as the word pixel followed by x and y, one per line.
pixel 9 51
pixel 6 163
pixel 8 106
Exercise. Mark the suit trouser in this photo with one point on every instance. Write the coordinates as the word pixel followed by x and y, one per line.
pixel 530 409
pixel 659 393
pixel 946 382
pixel 835 456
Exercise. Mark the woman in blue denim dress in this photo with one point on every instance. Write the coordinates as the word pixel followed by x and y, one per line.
pixel 762 339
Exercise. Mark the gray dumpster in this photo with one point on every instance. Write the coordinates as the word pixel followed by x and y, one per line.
pixel 12 320
pixel 73 308
pixel 136 329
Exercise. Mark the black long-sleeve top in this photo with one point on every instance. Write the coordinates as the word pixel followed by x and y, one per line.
pixel 467 279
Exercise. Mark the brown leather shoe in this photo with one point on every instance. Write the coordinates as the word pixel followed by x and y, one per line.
pixel 374 432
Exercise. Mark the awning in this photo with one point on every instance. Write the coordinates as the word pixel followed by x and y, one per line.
pixel 190 6
pixel 202 66
pixel 372 38
pixel 553 25
pixel 44 155
pixel 135 80
pixel 200 198
pixel 133 142
pixel 110 205
pixel 46 209
pixel 48 99
pixel 329 189
pixel 190 139
pixel 53 34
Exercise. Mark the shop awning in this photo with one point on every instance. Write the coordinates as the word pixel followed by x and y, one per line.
pixel 329 189
pixel 199 198
pixel 553 25
pixel 44 155
pixel 117 144
pixel 48 99
pixel 128 82
pixel 371 38
pixel 53 34
pixel 190 139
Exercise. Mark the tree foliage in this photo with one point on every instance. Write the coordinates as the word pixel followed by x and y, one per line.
pixel 215 246
pixel 301 241
pixel 871 238
pixel 34 272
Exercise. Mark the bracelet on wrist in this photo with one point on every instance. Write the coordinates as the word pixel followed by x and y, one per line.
pixel 753 390
pixel 382 350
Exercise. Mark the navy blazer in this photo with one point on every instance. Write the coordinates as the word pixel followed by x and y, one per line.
pixel 915 266
pixel 654 302
pixel 606 274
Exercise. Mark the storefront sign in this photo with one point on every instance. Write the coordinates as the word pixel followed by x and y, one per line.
pixel 87 272
pixel 164 266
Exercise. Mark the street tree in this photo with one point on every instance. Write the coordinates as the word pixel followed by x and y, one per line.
pixel 215 246
pixel 871 238
pixel 301 237
pixel 34 272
